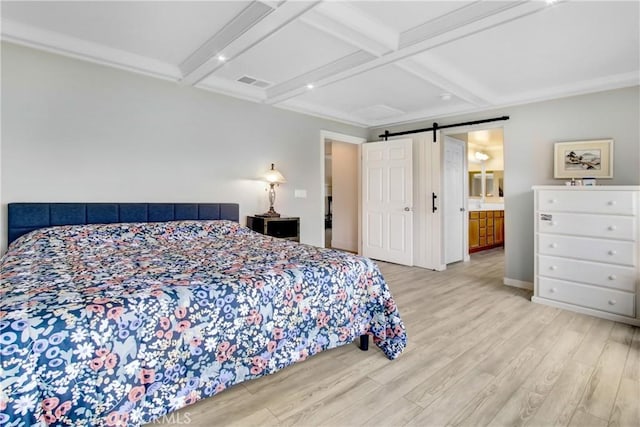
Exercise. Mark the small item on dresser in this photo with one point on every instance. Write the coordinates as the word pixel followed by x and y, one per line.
pixel 573 182
pixel 589 182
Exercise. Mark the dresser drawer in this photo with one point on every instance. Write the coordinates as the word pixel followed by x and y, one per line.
pixel 611 276
pixel 610 300
pixel 588 201
pixel 600 250
pixel 607 226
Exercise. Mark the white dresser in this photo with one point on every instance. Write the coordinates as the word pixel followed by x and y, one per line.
pixel 587 252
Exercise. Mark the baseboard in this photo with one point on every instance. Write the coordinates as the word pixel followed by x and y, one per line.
pixel 517 283
pixel 585 310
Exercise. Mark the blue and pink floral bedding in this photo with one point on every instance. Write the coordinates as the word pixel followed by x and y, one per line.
pixel 120 324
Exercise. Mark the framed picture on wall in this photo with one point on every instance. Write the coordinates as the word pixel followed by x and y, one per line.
pixel 582 159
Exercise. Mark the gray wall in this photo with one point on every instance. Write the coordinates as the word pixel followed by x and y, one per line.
pixel 76 131
pixel 529 136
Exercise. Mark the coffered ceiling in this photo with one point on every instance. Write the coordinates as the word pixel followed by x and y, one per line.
pixel 368 63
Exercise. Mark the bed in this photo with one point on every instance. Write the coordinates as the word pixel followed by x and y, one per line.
pixel 135 310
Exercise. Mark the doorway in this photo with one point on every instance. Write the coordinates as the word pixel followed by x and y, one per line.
pixel 341 191
pixel 482 182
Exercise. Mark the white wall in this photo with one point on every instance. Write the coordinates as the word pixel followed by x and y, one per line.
pixel 76 131
pixel 344 185
pixel 529 136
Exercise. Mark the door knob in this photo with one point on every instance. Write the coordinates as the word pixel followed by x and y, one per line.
pixel 407 209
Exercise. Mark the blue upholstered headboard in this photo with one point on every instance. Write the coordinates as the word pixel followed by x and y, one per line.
pixel 26 217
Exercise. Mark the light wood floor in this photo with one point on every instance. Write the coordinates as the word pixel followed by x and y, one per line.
pixel 480 353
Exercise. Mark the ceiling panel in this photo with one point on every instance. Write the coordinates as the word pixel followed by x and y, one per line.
pixel 404 15
pixel 385 88
pixel 561 45
pixel 164 30
pixel 295 50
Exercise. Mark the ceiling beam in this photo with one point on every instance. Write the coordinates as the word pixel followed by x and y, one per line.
pixel 213 47
pixel 349 24
pixel 457 18
pixel 463 22
pixel 433 70
pixel 298 85
pixel 247 31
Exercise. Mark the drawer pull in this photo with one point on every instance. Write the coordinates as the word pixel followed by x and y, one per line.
pixel 611 202
pixel 612 277
pixel 612 252
pixel 552 201
pixel 552 223
pixel 553 267
pixel 552 290
pixel 553 245
pixel 612 302
pixel 612 228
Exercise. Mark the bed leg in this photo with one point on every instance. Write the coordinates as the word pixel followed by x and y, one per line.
pixel 364 342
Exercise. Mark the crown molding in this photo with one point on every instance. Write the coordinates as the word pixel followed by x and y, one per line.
pixel 616 81
pixel 429 113
pixel 61 44
pixel 233 88
pixel 322 112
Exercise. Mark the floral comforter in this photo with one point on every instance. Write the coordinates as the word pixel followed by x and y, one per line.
pixel 120 324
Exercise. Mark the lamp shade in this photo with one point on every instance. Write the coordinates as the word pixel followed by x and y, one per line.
pixel 273 176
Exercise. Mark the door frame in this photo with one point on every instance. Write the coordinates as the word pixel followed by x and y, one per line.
pixel 350 139
pixel 467 129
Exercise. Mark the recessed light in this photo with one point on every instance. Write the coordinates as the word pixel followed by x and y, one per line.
pixel 551 1
pixel 310 86
pixel 222 58
pixel 445 96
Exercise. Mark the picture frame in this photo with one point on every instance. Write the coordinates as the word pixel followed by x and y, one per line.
pixel 583 159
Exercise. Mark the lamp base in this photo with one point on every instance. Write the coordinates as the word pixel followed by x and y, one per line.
pixel 270 214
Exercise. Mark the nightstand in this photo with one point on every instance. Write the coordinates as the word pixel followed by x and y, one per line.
pixel 282 227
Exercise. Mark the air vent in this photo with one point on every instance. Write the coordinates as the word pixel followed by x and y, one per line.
pixel 246 79
pixel 253 82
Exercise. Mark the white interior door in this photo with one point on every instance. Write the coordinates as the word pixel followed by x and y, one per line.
pixel 454 200
pixel 387 201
